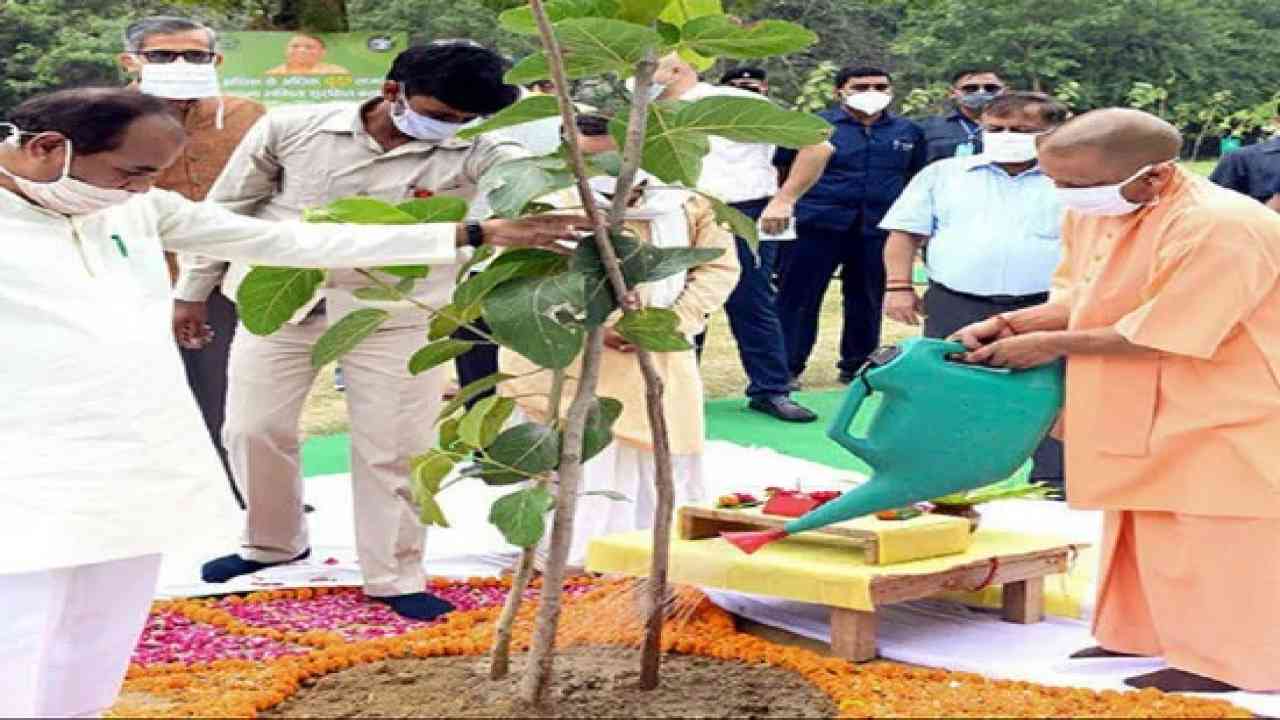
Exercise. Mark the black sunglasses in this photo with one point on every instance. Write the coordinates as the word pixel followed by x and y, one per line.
pixel 868 87
pixel 195 57
pixel 989 87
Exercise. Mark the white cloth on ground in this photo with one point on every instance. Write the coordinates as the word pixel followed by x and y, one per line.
pixel 68 635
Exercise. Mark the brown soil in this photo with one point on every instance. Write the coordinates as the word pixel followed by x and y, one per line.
pixel 589 683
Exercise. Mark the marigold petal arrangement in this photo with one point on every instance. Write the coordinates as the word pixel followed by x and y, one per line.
pixel 237 656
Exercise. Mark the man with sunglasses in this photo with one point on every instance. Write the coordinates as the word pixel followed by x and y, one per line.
pixel 991 223
pixel 959 133
pixel 837 222
pixel 394 147
pixel 176 59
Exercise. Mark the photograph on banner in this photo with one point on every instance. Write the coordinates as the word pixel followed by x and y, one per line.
pixel 278 68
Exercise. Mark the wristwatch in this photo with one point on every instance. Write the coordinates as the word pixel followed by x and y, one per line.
pixel 475 234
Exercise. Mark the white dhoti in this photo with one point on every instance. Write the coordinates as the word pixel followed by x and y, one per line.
pixel 629 471
pixel 69 633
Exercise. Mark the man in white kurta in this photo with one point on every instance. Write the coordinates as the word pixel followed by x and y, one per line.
pixel 106 462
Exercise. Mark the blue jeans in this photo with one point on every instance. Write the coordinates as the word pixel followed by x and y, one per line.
pixel 753 319
pixel 814 257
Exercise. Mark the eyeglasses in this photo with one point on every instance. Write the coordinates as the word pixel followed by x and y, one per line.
pixel 195 57
pixel 869 87
pixel 985 87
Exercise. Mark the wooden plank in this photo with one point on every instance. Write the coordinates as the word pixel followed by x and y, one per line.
pixel 1022 602
pixel 694 526
pixel 888 589
pixel 853 634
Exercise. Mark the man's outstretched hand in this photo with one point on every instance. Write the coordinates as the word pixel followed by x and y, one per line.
pixel 536 231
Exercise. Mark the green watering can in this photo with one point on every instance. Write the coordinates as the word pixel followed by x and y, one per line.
pixel 943 426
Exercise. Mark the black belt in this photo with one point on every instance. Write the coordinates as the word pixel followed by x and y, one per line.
pixel 1033 298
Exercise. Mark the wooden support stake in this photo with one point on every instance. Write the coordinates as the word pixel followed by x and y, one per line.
pixel 1023 601
pixel 853 634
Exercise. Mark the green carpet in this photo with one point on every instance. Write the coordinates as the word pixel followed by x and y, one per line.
pixel 727 419
pixel 730 420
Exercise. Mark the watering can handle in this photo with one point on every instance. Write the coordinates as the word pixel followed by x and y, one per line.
pixel 858 392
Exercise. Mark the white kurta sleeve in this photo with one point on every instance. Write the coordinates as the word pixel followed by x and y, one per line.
pixel 209 229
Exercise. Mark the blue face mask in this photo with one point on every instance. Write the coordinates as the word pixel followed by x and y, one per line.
pixel 419 126
pixel 976 101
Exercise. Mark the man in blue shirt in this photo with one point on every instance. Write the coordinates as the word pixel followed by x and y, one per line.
pixel 991 228
pixel 960 132
pixel 837 221
pixel 1253 170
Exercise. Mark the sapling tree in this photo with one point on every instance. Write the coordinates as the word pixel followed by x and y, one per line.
pixel 553 308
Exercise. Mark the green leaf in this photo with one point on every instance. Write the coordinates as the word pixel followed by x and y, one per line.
pixel 345 334
pixel 359 211
pixel 534 107
pixel 520 515
pixel 641 12
pixel 428 472
pixel 592 46
pixel 522 262
pixel 269 296
pixel 601 416
pixel 750 120
pixel 436 209
pixel 471 390
pixel 532 261
pixel 676 139
pixel 437 353
pixel 741 225
pixel 611 494
pixel 512 185
pixel 449 319
pixel 449 438
pixel 679 13
pixel 405 286
pixel 482 253
pixel 530 448
pixel 520 20
pixel 482 423
pixel 669 33
pixel 722 36
pixel 654 329
pixel 665 262
pixel 377 294
pixel 671 153
pixel 526 315
pixel 493 474
pixel 407 272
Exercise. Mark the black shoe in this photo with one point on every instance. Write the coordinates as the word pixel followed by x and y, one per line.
pixel 846 377
pixel 222 569
pixel 782 408
pixel 308 508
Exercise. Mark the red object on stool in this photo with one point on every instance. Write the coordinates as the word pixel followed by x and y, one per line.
pixel 749 542
pixel 793 503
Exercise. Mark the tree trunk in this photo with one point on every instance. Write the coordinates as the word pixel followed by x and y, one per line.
pixel 537 678
pixel 500 659
pixel 320 16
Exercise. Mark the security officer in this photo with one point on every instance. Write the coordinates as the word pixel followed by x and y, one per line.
pixel 751 79
pixel 837 221
pixel 959 133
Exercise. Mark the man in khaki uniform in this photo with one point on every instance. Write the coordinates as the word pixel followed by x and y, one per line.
pixel 185 56
pixel 393 148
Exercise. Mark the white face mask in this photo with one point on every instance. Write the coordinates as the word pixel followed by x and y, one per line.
pixel 179 80
pixel 868 103
pixel 1103 200
pixel 65 195
pixel 419 126
pixel 1009 147
pixel 655 90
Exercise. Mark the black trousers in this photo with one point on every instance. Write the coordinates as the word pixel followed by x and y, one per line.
pixel 947 311
pixel 477 363
pixel 207 377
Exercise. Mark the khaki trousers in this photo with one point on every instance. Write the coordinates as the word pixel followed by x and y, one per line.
pixel 392 418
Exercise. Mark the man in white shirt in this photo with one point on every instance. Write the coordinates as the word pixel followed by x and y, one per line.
pixel 743 175
pixel 990 226
pixel 107 461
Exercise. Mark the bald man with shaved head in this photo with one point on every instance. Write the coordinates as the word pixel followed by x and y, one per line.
pixel 1167 310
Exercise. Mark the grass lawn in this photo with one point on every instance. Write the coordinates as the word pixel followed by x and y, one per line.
pixel 326 412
